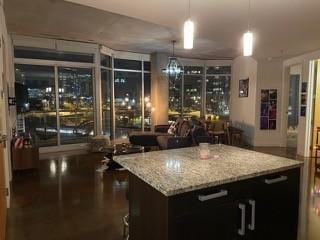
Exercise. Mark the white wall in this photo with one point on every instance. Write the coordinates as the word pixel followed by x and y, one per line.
pixel 269 77
pixel 243 110
pixel 6 71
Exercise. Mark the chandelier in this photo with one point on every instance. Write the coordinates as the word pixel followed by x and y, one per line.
pixel 174 68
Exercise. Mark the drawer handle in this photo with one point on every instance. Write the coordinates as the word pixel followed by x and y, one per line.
pixel 276 180
pixel 220 194
pixel 242 230
pixel 252 225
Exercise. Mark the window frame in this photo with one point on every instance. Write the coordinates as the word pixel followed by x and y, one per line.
pixel 205 64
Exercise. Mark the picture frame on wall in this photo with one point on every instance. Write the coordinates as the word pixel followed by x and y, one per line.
pixel 244 87
pixel 268 109
pixel 303 111
pixel 304 87
pixel 303 99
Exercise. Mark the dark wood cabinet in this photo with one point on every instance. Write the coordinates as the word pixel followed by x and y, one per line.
pixel 219 222
pixel 25 158
pixel 277 204
pixel 260 208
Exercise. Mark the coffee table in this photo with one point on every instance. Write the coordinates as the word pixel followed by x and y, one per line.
pixel 119 149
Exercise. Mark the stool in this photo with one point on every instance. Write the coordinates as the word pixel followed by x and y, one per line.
pixel 126 227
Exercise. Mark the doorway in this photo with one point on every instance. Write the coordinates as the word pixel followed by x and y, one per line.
pixel 316 109
pixel 295 73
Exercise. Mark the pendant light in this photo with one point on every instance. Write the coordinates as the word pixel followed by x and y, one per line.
pixel 248 37
pixel 174 69
pixel 188 31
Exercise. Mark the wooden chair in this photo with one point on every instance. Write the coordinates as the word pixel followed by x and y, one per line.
pixel 218 131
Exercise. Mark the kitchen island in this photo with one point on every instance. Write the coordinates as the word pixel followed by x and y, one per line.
pixel 235 194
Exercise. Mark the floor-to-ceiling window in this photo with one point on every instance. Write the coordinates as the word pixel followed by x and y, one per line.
pixel 55 99
pixel 56 92
pixel 218 91
pixel 200 91
pixel 106 98
pixel 193 82
pixel 76 104
pixel 175 97
pixel 127 101
pixel 148 108
pixel 36 103
pixel 126 94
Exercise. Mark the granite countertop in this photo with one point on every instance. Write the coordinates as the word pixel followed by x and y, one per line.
pixel 181 170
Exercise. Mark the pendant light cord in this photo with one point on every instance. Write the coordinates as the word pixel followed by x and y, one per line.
pixel 249 14
pixel 189 9
pixel 173 42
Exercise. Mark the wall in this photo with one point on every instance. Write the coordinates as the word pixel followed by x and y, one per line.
pixel 243 110
pixel 6 86
pixel 269 77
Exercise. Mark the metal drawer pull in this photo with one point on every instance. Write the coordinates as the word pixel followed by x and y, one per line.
pixel 222 193
pixel 276 180
pixel 252 225
pixel 242 230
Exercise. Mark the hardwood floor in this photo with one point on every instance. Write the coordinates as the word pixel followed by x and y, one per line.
pixel 68 199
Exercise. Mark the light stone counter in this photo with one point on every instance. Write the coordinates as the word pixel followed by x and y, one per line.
pixel 181 170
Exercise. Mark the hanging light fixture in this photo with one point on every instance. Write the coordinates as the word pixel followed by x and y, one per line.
pixel 248 37
pixel 188 31
pixel 174 68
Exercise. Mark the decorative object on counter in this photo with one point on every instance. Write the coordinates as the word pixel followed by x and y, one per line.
pixel 268 109
pixel 244 88
pixel 303 99
pixel 204 150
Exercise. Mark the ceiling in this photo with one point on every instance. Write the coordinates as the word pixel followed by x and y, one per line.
pixel 281 28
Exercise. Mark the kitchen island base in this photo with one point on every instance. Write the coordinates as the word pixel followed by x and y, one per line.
pixel 261 208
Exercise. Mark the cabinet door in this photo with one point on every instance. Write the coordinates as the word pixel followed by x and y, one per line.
pixel 277 207
pixel 221 222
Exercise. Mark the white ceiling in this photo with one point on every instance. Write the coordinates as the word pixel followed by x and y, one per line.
pixel 291 26
pixel 281 27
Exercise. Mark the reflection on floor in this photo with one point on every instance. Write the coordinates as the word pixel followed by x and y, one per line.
pixel 68 199
pixel 314 214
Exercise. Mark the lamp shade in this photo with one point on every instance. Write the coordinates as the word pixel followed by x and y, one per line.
pixel 188 34
pixel 247 44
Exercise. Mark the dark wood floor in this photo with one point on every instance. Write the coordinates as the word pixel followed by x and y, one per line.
pixel 68 199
